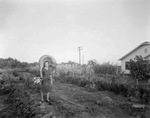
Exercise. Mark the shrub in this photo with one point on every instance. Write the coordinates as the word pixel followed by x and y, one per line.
pixel 25 75
pixel 125 80
pixel 140 93
pixel 144 95
pixel 101 86
pixel 6 89
pixel 91 87
pixel 8 77
pixel 21 104
pixel 7 82
pixel 106 68
pixel 139 68
pixel 15 73
pixel 30 85
pixel 82 82
pixel 34 70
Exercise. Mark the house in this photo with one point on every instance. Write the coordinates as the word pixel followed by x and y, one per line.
pixel 141 50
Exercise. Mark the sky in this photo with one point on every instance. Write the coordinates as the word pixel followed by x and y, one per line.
pixel 107 29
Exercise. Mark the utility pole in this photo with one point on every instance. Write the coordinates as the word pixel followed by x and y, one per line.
pixel 82 59
pixel 80 48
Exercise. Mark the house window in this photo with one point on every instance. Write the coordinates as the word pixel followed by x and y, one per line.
pixel 145 50
pixel 127 65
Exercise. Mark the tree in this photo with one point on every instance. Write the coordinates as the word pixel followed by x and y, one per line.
pixel 92 62
pixel 12 63
pixel 139 69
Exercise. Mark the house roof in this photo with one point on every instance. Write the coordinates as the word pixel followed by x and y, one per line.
pixel 145 43
pixel 147 56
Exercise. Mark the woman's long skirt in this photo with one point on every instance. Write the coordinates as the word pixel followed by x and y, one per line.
pixel 46 85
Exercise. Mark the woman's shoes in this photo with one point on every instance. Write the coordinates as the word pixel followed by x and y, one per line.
pixel 48 101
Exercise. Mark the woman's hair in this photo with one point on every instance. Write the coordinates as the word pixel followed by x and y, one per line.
pixel 50 65
pixel 44 63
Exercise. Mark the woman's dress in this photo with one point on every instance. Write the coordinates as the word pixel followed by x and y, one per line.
pixel 46 81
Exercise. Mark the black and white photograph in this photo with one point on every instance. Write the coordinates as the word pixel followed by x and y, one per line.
pixel 74 58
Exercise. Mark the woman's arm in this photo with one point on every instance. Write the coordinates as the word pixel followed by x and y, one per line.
pixel 51 76
pixel 51 79
pixel 41 73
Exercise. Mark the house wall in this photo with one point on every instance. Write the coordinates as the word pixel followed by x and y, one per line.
pixel 139 51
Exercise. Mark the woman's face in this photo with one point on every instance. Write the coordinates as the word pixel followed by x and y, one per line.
pixel 46 64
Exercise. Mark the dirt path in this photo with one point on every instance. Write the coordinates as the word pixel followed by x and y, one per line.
pixel 70 101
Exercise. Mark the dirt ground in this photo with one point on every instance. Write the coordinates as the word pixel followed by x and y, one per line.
pixel 71 101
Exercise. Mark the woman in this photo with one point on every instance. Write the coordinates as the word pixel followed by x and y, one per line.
pixel 47 81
